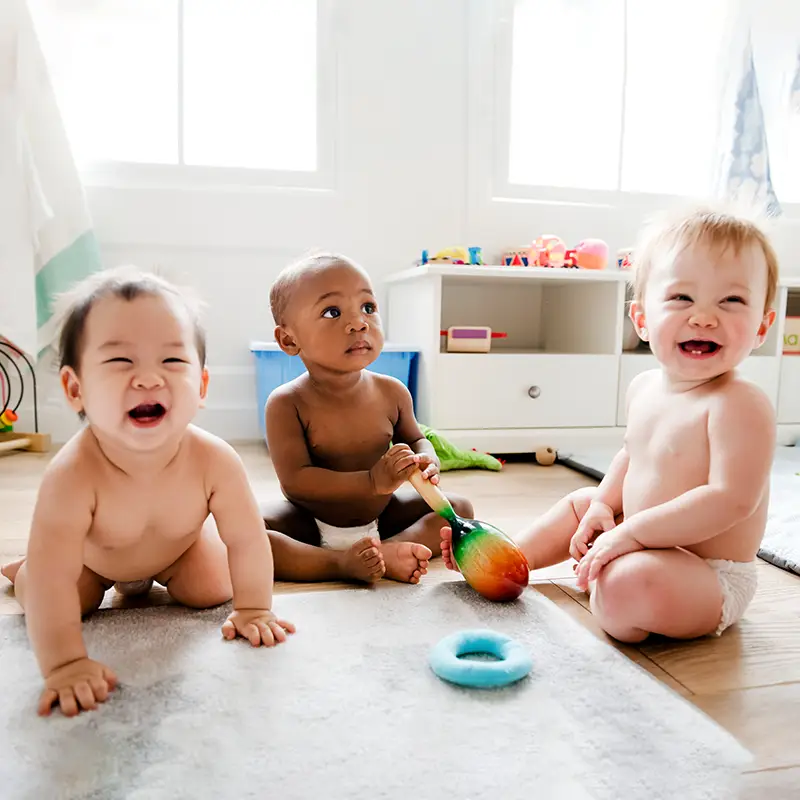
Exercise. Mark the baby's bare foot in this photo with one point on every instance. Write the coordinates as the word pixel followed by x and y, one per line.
pixel 447 548
pixel 405 561
pixel 363 561
pixel 11 569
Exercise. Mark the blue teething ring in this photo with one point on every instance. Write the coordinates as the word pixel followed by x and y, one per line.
pixel 514 660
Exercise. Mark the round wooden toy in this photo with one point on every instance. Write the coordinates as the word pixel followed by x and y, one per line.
pixel 546 456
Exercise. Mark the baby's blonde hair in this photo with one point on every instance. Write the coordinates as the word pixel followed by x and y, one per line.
pixel 281 290
pixel 671 233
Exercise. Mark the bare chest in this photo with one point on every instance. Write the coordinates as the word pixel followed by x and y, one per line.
pixel 349 438
pixel 130 512
pixel 667 441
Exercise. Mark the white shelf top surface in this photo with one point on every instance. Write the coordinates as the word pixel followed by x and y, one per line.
pixel 555 274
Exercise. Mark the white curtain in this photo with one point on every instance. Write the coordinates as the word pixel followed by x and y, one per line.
pixel 760 129
pixel 46 238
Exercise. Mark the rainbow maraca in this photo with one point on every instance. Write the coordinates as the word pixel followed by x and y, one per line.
pixel 490 561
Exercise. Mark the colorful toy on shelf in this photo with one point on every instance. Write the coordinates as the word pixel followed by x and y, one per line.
pixel 550 251
pixel 625 258
pixel 517 257
pixel 490 561
pixel 470 338
pixel 592 254
pixel 454 255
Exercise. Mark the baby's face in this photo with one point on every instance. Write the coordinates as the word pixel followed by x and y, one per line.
pixel 704 310
pixel 333 320
pixel 140 382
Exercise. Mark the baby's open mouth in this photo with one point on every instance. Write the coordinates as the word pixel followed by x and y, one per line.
pixel 147 414
pixel 699 348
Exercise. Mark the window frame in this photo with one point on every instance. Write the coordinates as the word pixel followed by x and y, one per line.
pixel 493 74
pixel 102 173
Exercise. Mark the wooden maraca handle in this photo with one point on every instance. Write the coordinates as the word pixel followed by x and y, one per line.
pixel 431 494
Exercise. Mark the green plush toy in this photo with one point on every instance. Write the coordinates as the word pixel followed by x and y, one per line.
pixel 451 457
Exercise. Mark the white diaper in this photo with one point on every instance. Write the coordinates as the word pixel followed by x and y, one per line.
pixel 738 581
pixel 342 538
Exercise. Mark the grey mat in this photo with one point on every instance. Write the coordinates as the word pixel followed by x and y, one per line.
pixel 781 543
pixel 349 709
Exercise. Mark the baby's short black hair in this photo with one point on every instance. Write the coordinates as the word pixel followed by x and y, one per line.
pixel 281 291
pixel 126 283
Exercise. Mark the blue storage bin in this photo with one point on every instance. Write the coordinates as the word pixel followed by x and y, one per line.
pixel 274 367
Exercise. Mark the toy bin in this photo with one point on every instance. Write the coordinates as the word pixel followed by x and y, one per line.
pixel 274 367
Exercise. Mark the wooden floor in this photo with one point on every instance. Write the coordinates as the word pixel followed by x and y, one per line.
pixel 748 680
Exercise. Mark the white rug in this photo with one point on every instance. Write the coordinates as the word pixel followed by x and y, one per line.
pixel 781 543
pixel 349 708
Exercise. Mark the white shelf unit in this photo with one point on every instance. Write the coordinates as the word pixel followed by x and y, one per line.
pixel 560 377
pixel 789 367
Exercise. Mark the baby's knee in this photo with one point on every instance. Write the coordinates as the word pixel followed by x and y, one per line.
pixel 461 506
pixel 630 582
pixel 581 499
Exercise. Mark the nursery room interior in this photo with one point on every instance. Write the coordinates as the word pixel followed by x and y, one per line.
pixel 484 171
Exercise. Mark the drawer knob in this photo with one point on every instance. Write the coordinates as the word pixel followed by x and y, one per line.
pixel 534 392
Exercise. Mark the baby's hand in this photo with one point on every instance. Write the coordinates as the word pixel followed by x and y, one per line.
pixel 257 625
pixel 605 549
pixel 429 466
pixel 598 518
pixel 79 685
pixel 394 469
pixel 447 548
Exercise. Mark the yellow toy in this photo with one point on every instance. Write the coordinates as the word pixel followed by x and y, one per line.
pixel 7 420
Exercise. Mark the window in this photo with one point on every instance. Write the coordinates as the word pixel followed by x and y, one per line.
pixel 186 82
pixel 621 95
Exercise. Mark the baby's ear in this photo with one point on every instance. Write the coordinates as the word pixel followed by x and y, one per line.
pixel 763 329
pixel 72 389
pixel 286 341
pixel 636 314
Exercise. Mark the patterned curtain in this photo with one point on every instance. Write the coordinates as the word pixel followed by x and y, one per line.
pixel 749 174
pixel 752 125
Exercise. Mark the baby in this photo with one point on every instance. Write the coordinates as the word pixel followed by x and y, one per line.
pixel 344 439
pixel 667 542
pixel 139 494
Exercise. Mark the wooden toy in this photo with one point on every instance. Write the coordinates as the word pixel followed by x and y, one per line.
pixel 517 257
pixel 545 456
pixel 490 561
pixel 11 440
pixel 625 258
pixel 592 254
pixel 470 338
pixel 7 420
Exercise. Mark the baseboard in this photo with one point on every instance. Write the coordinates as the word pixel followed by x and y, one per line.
pixel 528 440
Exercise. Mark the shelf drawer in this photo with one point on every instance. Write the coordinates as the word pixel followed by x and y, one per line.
pixel 499 390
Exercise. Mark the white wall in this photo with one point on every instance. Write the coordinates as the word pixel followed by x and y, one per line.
pixel 413 166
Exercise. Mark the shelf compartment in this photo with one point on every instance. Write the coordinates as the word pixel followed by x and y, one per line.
pixel 558 317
